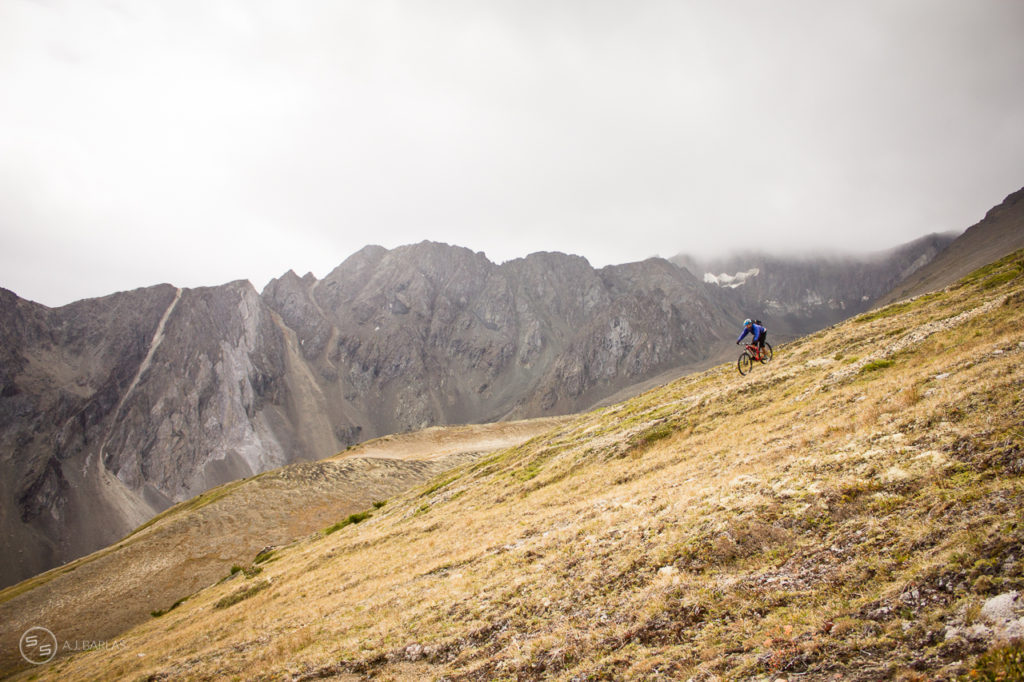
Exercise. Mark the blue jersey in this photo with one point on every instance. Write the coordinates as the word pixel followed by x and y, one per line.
pixel 755 329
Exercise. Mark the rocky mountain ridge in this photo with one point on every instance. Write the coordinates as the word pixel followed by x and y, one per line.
pixel 112 409
pixel 999 232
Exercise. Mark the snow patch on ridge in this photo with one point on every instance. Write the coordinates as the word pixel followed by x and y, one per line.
pixel 731 281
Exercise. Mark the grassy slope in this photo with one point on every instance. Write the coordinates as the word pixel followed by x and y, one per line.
pixel 833 513
pixel 195 543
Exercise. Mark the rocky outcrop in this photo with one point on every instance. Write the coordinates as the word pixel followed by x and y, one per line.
pixel 112 409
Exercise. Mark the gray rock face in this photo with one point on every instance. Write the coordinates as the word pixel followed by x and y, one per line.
pixel 112 409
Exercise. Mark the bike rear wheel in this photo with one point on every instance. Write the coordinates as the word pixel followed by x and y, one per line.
pixel 766 353
pixel 745 362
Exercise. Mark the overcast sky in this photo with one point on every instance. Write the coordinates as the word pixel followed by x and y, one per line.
pixel 197 142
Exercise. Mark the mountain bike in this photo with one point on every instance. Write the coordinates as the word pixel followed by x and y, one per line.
pixel 753 354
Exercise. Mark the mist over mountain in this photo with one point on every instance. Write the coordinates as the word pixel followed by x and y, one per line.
pixel 111 409
pixel 803 293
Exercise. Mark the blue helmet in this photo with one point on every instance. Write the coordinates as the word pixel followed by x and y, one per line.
pixel 746 322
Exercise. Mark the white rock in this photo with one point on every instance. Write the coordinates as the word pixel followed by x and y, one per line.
pixel 1002 608
pixel 668 570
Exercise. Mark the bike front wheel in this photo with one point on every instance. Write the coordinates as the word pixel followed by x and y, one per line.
pixel 766 353
pixel 744 363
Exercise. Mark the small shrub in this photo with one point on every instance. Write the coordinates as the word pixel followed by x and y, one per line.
pixel 379 503
pixel 356 518
pixel 249 571
pixel 352 518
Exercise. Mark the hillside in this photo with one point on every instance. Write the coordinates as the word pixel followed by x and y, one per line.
pixel 197 542
pixel 113 409
pixel 851 510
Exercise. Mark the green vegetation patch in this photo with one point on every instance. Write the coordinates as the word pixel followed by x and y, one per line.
pixel 353 518
pixel 1001 278
pixel 242 594
pixel 876 365
pixel 1013 263
pixel 536 465
pixel 656 433
pixel 899 308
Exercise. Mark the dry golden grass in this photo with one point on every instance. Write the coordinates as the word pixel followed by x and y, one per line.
pixel 833 513
pixel 194 544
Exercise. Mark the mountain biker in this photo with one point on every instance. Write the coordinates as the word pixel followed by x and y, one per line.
pixel 759 333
